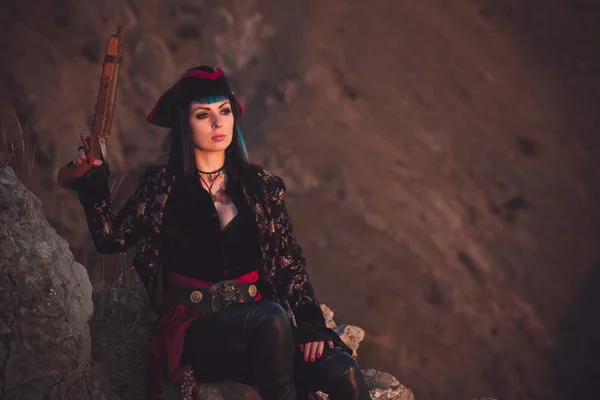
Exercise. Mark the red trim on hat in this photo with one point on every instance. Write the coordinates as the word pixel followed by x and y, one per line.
pixel 196 74
pixel 202 74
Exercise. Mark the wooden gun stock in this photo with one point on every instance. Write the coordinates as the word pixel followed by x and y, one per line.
pixel 105 105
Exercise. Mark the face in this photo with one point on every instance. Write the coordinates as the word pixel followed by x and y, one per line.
pixel 211 124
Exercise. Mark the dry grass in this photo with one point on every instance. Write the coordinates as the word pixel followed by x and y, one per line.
pixel 121 329
pixel 18 151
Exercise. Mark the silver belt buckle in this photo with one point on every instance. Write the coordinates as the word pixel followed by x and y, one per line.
pixel 225 295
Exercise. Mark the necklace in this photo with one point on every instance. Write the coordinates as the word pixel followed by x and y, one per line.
pixel 218 173
pixel 211 181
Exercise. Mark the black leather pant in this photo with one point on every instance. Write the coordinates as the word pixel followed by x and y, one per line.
pixel 253 344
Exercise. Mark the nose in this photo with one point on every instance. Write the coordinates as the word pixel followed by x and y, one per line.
pixel 217 123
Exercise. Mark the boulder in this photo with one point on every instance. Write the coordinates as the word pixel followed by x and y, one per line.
pixel 350 334
pixel 45 304
pixel 382 386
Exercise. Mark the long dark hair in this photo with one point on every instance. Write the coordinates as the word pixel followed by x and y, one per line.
pixel 181 153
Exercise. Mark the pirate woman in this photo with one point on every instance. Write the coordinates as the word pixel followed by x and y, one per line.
pixel 218 257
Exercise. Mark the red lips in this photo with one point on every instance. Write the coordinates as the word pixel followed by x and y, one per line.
pixel 218 138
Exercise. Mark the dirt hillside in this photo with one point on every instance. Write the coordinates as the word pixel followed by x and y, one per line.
pixel 440 160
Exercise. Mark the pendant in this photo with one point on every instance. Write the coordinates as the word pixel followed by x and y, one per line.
pixel 211 179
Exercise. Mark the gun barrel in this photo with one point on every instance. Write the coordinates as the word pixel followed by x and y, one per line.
pixel 115 62
pixel 105 103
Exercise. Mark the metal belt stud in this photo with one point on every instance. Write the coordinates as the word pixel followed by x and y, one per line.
pixel 196 296
pixel 252 290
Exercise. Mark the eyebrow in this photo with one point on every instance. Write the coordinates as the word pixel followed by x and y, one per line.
pixel 206 108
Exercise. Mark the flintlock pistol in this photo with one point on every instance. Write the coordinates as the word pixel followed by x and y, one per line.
pixel 105 105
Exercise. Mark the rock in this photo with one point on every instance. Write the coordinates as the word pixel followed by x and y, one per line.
pixel 351 335
pixel 328 314
pixel 227 391
pixel 382 386
pixel 46 303
pixel 385 386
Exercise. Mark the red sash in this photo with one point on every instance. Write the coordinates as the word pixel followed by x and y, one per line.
pixel 167 343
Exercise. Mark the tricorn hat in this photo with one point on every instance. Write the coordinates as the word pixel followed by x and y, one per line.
pixel 194 84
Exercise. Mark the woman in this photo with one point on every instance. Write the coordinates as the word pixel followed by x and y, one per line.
pixel 219 259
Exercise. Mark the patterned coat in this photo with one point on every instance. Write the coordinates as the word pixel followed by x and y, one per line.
pixel 283 276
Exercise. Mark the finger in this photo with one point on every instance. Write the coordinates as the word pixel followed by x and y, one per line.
pixel 320 349
pixel 95 162
pixel 307 347
pixel 330 344
pixel 301 347
pixel 313 351
pixel 82 156
pixel 76 161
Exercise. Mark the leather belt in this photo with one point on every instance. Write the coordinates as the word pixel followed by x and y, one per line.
pixel 215 297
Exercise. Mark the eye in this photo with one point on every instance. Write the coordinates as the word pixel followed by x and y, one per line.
pixel 226 111
pixel 201 115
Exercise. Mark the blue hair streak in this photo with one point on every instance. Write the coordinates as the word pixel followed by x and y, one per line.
pixel 242 143
pixel 212 99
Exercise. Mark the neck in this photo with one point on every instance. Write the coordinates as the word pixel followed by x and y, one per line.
pixel 209 161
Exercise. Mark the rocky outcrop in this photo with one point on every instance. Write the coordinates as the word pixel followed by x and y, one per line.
pixel 45 304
